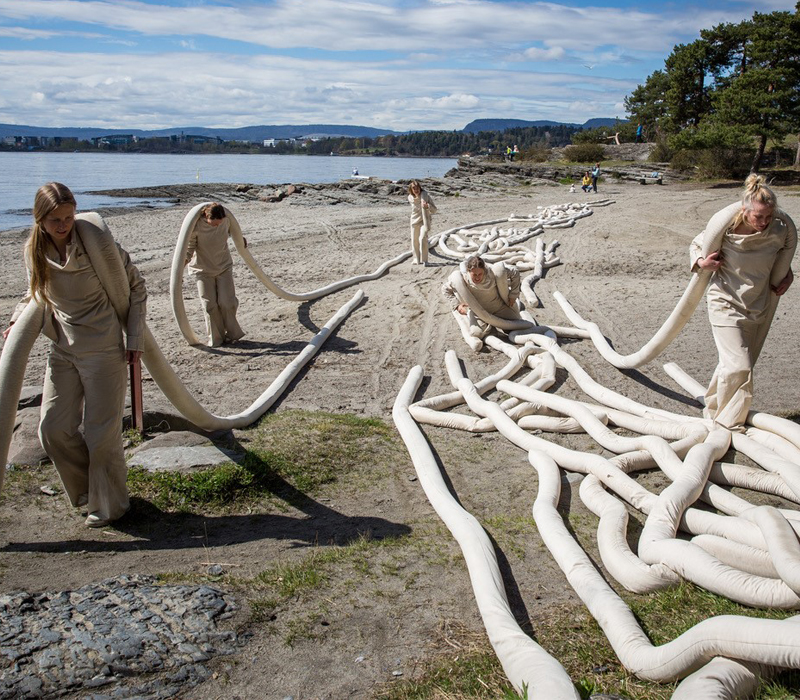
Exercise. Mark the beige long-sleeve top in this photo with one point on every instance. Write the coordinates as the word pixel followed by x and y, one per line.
pixel 208 252
pixel 81 317
pixel 487 293
pixel 740 289
pixel 416 206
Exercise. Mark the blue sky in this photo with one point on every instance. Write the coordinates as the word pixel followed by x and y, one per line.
pixel 397 64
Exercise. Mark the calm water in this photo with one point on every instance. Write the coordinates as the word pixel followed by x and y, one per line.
pixel 21 174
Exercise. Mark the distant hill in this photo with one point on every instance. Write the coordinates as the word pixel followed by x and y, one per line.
pixel 502 124
pixel 245 133
pixel 275 131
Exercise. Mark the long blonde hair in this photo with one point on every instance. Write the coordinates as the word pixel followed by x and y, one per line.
pixel 48 197
pixel 755 190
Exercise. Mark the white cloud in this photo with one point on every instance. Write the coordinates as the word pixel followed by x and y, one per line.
pixel 555 53
pixel 429 63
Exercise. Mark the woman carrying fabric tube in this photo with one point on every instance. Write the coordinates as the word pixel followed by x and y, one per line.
pixel 85 378
pixel 422 209
pixel 752 270
pixel 210 262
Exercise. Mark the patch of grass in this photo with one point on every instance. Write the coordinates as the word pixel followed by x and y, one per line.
pixel 566 181
pixel 468 669
pixel 291 452
pixel 132 437
pixel 262 609
pixel 293 579
pixel 512 533
pixel 24 480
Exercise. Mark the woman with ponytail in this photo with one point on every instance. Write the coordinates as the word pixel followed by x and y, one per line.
pixel 85 379
pixel 752 270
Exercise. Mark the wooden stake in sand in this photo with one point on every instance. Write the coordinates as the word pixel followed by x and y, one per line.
pixel 137 411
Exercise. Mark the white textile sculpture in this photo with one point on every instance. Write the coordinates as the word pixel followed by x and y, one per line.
pixel 181 246
pixel 748 553
pixel 497 245
pixel 24 332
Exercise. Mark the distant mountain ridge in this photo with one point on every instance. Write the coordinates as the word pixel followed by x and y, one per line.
pixel 502 124
pixel 275 131
pixel 244 133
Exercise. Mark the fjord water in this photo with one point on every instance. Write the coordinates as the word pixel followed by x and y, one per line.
pixel 21 174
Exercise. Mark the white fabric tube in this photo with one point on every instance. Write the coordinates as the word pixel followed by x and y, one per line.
pixel 178 395
pixel 182 244
pixel 525 663
pixel 13 360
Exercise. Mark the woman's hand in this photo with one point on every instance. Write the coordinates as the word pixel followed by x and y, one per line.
pixel 7 331
pixel 462 309
pixel 784 284
pixel 712 261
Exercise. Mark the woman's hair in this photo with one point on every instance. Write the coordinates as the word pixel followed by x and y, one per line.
pixel 48 197
pixel 214 210
pixel 755 190
pixel 411 186
pixel 475 261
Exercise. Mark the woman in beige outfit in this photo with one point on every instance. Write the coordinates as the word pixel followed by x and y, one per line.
pixel 741 299
pixel 85 378
pixel 422 208
pixel 210 262
pixel 496 297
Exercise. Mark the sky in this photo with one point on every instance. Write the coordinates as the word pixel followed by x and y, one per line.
pixel 391 64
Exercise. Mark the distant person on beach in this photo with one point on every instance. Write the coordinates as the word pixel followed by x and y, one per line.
pixel 586 183
pixel 210 262
pixel 638 133
pixel 73 265
pixel 486 288
pixel 595 176
pixel 422 210
pixel 741 300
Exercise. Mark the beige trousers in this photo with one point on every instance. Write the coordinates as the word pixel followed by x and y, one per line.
pixel 91 464
pixel 218 297
pixel 730 391
pixel 419 241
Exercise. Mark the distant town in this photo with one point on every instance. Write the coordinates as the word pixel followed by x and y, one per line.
pixel 483 135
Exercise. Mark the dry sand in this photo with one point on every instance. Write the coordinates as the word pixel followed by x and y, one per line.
pixel 624 268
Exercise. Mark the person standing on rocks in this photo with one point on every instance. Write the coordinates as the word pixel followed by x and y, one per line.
pixel 422 210
pixel 741 298
pixel 209 260
pixel 75 270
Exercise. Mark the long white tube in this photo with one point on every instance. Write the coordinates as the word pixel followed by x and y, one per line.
pixel 763 641
pixel 179 257
pixel 13 360
pixel 525 663
pixel 179 396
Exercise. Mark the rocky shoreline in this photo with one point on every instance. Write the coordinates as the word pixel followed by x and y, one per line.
pixel 473 177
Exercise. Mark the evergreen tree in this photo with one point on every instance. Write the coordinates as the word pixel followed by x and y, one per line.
pixel 738 85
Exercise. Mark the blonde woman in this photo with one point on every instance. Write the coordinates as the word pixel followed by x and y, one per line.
pixel 85 378
pixel 210 262
pixel 743 295
pixel 422 208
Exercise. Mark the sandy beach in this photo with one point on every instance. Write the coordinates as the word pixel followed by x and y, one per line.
pixel 624 267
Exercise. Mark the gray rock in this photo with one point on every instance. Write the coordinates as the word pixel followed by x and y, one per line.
pixel 25 447
pixel 30 396
pixel 183 459
pixel 174 438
